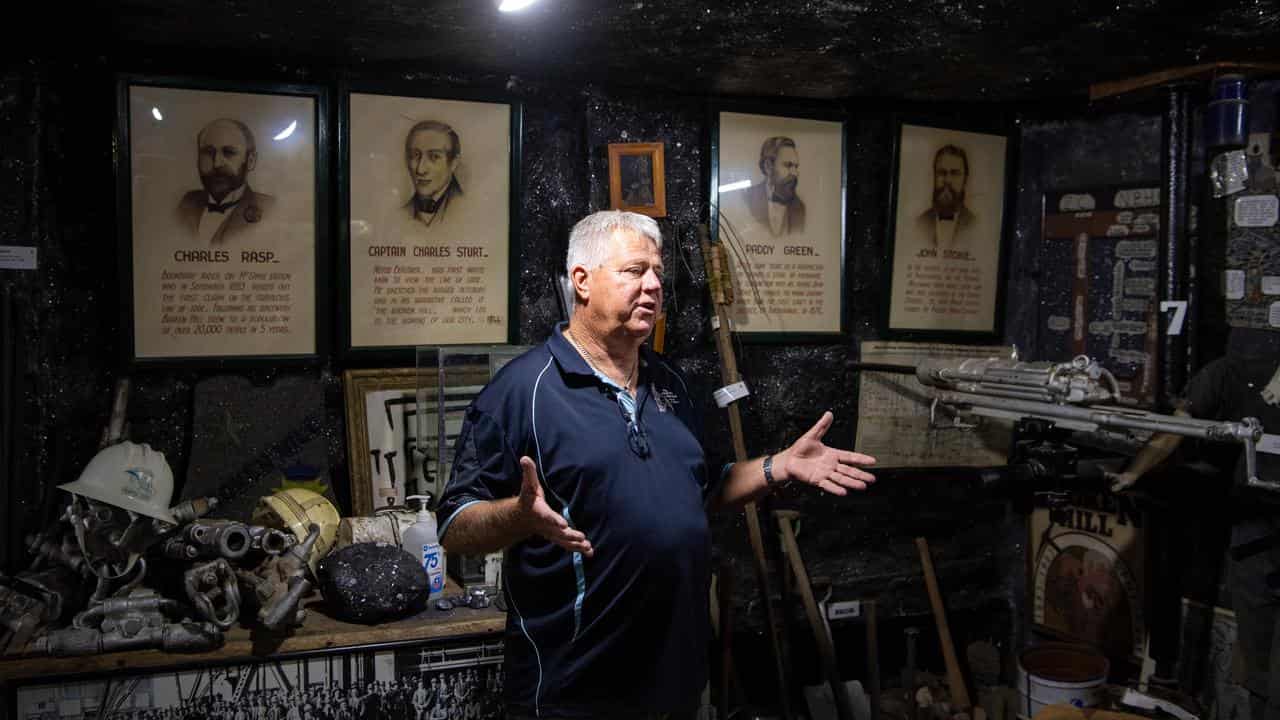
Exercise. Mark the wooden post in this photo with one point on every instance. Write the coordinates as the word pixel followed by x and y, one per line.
pixel 729 376
pixel 955 681
pixel 826 648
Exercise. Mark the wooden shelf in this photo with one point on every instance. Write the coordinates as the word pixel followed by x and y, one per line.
pixel 320 632
pixel 1183 75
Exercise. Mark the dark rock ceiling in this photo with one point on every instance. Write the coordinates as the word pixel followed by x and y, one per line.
pixel 993 50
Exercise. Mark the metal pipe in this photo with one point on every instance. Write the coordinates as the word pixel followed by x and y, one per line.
pixel 7 404
pixel 1176 156
pixel 114 431
pixel 271 540
pixel 1118 418
pixel 883 367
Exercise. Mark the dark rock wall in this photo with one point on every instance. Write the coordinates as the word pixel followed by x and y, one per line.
pixel 916 49
pixel 1188 508
pixel 57 193
pixel 59 196
pixel 1070 152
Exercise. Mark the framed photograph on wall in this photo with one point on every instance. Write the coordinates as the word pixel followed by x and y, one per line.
pixel 393 429
pixel 636 179
pixel 949 217
pixel 430 188
pixel 778 204
pixel 221 191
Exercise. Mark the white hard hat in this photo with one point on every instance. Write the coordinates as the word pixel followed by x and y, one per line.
pixel 129 476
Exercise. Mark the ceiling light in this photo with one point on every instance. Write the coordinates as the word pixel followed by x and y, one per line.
pixel 740 185
pixel 514 5
pixel 155 113
pixel 287 131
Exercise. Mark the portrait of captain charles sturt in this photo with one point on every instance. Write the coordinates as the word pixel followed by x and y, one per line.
pixel 432 152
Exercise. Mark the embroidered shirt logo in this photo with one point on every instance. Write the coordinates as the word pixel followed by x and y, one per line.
pixel 666 400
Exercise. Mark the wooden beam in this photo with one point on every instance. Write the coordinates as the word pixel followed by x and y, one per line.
pixel 1115 88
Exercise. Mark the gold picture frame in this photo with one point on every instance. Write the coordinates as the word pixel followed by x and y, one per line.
pixel 358 387
pixel 404 420
pixel 637 181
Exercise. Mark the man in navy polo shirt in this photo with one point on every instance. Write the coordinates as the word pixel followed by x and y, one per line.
pixel 583 459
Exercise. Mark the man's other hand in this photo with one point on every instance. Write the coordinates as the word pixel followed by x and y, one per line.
pixel 538 517
pixel 813 462
pixel 1121 481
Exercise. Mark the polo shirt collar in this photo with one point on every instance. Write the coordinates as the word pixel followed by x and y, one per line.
pixel 566 354
pixel 571 361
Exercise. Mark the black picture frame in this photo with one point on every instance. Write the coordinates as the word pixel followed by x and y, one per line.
pixel 836 207
pixel 897 249
pixel 356 354
pixel 129 260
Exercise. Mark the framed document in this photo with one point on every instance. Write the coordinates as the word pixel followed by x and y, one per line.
pixel 394 425
pixel 637 182
pixel 221 191
pixel 778 204
pixel 1101 300
pixel 430 190
pixel 948 222
pixel 383 432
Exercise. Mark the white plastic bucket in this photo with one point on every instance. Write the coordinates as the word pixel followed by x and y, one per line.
pixel 1060 673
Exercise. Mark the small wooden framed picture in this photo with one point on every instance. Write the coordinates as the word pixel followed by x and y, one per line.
pixel 636 181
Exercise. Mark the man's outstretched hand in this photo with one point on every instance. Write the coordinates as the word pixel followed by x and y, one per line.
pixel 539 519
pixel 813 462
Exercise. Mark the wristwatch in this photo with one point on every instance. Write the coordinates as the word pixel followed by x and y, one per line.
pixel 769 482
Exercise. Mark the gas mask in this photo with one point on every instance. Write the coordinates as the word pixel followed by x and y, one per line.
pixel 120 503
pixel 109 537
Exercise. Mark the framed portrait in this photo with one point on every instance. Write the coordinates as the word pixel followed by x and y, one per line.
pixel 636 179
pixel 393 428
pixel 222 203
pixel 778 204
pixel 429 251
pixel 949 217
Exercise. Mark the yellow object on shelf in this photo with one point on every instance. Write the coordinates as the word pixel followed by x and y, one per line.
pixel 295 510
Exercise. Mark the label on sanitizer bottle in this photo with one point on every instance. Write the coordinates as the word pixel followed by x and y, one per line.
pixel 431 563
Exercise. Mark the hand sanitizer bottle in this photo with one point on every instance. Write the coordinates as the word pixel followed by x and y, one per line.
pixel 421 541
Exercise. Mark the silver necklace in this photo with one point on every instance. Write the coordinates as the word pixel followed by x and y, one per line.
pixel 587 356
